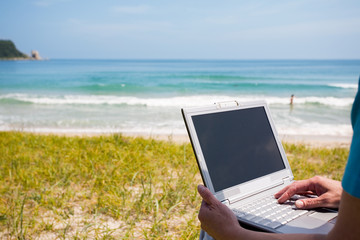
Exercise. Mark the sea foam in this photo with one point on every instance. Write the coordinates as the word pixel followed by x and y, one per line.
pixel 179 101
pixel 344 85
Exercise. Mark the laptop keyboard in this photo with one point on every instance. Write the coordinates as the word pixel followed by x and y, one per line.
pixel 268 212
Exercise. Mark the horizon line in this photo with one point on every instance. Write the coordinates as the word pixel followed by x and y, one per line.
pixel 211 59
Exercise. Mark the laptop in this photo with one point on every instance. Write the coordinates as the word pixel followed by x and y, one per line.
pixel 243 163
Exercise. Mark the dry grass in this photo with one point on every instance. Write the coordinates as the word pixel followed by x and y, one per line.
pixel 113 187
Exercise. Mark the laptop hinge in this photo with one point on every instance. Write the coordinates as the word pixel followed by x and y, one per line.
pixel 227 104
pixel 226 202
pixel 255 192
pixel 287 179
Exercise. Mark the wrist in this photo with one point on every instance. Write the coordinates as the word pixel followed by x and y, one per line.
pixel 234 233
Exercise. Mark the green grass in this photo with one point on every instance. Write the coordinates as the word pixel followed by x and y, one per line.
pixel 113 187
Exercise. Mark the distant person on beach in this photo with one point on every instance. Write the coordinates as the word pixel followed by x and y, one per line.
pixel 221 223
pixel 292 99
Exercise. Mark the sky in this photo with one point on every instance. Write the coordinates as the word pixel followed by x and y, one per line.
pixel 202 29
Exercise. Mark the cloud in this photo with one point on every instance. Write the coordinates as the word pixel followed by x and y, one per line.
pixel 140 9
pixel 324 28
pixel 115 29
pixel 221 20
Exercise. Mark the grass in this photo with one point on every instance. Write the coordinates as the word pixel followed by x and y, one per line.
pixel 114 187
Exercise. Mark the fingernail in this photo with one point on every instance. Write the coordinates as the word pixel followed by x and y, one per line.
pixel 299 204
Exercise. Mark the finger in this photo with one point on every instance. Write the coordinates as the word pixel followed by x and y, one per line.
pixel 203 207
pixel 294 188
pixel 281 192
pixel 309 203
pixel 206 195
pixel 203 211
pixel 306 193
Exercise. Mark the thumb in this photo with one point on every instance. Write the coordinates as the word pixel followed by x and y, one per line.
pixel 206 195
pixel 308 203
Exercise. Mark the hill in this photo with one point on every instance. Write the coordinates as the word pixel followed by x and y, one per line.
pixel 9 51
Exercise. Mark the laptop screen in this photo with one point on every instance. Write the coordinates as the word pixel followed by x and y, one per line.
pixel 238 146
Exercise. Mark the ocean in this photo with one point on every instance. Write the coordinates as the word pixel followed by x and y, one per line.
pixel 145 96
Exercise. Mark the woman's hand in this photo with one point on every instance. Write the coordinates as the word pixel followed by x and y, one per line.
pixel 216 218
pixel 328 193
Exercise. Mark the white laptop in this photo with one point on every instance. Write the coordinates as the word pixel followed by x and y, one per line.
pixel 243 163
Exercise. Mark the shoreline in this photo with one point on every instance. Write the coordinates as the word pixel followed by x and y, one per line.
pixel 329 141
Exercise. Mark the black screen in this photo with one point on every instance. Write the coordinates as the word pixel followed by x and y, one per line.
pixel 237 145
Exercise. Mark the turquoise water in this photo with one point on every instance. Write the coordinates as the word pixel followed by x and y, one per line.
pixel 145 96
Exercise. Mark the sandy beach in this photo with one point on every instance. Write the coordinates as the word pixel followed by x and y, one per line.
pixel 309 140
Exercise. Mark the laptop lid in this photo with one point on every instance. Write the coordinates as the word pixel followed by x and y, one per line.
pixel 237 149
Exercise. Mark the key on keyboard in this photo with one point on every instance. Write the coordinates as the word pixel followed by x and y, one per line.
pixel 268 212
